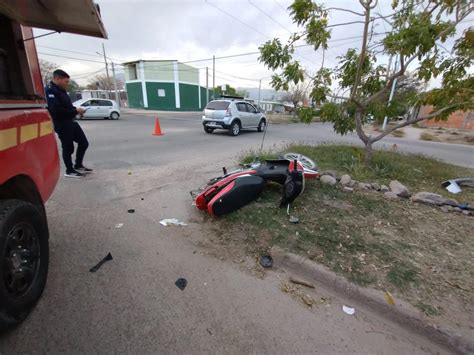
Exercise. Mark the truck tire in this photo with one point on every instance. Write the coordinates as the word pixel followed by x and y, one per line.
pixel 24 257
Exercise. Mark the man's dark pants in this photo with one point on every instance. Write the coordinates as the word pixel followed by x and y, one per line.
pixel 70 132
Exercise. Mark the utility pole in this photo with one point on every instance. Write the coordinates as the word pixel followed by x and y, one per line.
pixel 106 68
pixel 213 77
pixel 259 89
pixel 207 85
pixel 117 97
pixel 392 92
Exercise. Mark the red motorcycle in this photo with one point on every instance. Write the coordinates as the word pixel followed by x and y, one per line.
pixel 231 191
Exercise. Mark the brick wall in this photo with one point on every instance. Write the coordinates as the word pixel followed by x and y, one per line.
pixel 456 120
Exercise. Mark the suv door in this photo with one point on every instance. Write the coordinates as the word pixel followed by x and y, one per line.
pixel 253 115
pixel 243 113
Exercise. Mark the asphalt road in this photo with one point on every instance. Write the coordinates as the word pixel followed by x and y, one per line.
pixel 132 305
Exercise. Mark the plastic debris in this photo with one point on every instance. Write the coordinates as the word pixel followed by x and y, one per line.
pixel 118 225
pixel 348 310
pixel 454 185
pixel 131 210
pixel 294 220
pixel 266 261
pixel 181 283
pixel 301 282
pixel 389 298
pixel 100 263
pixel 172 222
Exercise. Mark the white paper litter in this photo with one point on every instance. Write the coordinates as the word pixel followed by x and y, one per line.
pixel 348 310
pixel 118 225
pixel 453 187
pixel 172 221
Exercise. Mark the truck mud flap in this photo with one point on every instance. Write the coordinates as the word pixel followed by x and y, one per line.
pixel 236 194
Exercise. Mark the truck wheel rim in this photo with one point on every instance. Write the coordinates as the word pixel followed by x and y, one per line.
pixel 21 261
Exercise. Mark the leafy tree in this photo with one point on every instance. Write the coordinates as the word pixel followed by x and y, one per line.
pixel 296 93
pixel 100 82
pixel 47 68
pixel 228 91
pixel 418 29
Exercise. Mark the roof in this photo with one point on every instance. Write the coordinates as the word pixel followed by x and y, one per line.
pixel 150 60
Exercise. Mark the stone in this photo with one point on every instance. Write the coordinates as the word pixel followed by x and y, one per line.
pixel 429 198
pixel 347 189
pixel 364 186
pixel 352 183
pixel 457 209
pixel 444 209
pixel 330 173
pixel 384 188
pixel 450 208
pixel 399 189
pixel 345 180
pixel 390 195
pixel 466 212
pixel 375 186
pixel 328 180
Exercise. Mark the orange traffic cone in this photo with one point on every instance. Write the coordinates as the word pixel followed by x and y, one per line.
pixel 157 128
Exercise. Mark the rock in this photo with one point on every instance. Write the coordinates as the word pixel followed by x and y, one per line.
pixel 457 209
pixel 345 180
pixel 450 208
pixel 466 212
pixel 399 189
pixel 353 183
pixel 390 195
pixel 384 188
pixel 328 180
pixel 330 173
pixel 375 186
pixel 347 189
pixel 429 198
pixel 444 209
pixel 364 186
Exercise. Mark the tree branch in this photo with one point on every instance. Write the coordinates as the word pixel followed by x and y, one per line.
pixel 363 49
pixel 346 10
pixel 410 122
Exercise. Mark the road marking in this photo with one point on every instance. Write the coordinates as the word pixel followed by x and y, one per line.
pixel 7 138
pixel 28 132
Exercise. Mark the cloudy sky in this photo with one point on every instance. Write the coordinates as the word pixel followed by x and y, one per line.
pixel 191 30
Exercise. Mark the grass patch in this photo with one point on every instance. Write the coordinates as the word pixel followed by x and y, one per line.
pixel 425 136
pixel 419 252
pixel 398 133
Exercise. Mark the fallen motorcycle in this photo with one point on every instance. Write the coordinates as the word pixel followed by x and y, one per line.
pixel 231 191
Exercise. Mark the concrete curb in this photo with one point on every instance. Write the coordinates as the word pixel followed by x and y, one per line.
pixel 402 313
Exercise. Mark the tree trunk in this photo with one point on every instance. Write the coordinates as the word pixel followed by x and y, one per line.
pixel 368 153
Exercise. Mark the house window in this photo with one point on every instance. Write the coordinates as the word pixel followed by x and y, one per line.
pixel 133 72
pixel 161 93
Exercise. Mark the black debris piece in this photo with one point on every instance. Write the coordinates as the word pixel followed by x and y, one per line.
pixel 181 283
pixel 266 261
pixel 131 210
pixel 100 263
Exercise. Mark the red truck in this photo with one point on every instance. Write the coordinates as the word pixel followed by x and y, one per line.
pixel 29 164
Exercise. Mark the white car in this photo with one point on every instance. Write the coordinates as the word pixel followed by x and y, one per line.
pixel 99 108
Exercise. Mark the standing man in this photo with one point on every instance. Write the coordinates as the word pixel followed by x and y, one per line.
pixel 63 113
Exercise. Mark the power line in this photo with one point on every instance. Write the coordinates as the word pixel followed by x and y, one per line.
pixel 63 56
pixel 76 52
pixel 270 17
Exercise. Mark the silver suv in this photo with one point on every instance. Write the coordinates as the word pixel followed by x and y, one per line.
pixel 233 115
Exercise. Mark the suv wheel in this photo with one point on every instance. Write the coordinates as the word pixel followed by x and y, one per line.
pixel 261 126
pixel 234 129
pixel 208 129
pixel 24 258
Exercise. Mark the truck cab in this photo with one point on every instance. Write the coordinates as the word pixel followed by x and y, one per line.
pixel 29 162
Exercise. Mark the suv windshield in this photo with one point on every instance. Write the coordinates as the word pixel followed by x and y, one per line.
pixel 217 105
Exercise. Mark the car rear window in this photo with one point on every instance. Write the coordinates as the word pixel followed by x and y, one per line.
pixel 217 105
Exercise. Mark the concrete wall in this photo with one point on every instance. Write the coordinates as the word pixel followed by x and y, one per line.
pixel 162 70
pixel 458 119
pixel 135 97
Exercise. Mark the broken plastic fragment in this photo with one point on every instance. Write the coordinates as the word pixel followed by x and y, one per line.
pixel 100 263
pixel 131 210
pixel 348 310
pixel 172 221
pixel 181 283
pixel 389 298
pixel 266 261
pixel 118 225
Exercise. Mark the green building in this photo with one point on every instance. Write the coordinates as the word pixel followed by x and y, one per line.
pixel 164 85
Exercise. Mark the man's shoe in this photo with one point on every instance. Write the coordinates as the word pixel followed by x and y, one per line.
pixel 83 169
pixel 74 174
